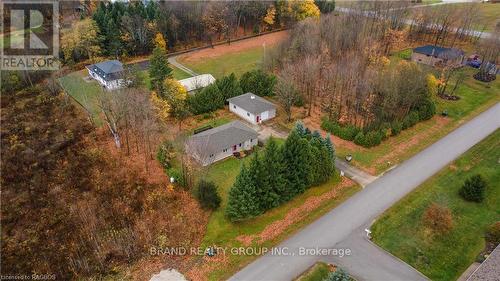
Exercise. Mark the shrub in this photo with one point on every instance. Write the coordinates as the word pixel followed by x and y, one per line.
pixel 426 109
pixel 373 138
pixel 359 139
pixel 258 82
pixel 177 175
pixel 165 154
pixel 438 218
pixel 493 233
pixel 396 127
pixel 207 194
pixel 348 132
pixel 473 189
pixel 338 275
pixel 208 100
pixel 229 86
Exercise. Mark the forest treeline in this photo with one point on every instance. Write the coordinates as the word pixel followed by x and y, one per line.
pixel 118 28
pixel 71 207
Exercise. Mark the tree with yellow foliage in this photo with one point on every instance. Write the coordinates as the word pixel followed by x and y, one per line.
pixel 170 101
pixel 269 19
pixel 160 41
pixel 303 9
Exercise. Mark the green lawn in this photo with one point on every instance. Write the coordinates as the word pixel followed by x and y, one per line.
pixel 220 231
pixel 318 272
pixel 219 66
pixel 444 257
pixel 85 92
pixel 475 97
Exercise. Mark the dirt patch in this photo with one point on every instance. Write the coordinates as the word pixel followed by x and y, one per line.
pixel 295 215
pixel 201 270
pixel 239 46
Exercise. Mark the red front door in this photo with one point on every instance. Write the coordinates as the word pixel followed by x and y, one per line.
pixel 234 147
pixel 258 119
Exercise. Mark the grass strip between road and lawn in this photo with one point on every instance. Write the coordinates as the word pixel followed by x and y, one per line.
pixel 444 257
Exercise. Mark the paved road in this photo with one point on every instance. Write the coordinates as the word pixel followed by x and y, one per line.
pixel 362 208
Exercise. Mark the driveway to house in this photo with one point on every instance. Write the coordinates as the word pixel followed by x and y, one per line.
pixel 341 225
pixel 173 61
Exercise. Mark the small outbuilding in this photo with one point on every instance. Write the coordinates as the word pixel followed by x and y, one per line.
pixel 218 143
pixel 436 56
pixel 108 73
pixel 197 82
pixel 252 108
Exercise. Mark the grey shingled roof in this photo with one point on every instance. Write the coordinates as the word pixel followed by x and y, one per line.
pixel 252 103
pixel 215 140
pixel 107 70
pixel 432 50
pixel 489 270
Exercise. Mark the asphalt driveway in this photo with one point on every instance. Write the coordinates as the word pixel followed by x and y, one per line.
pixel 360 210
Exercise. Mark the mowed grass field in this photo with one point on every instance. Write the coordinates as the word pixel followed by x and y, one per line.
pixel 475 97
pixel 237 62
pixel 445 256
pixel 220 231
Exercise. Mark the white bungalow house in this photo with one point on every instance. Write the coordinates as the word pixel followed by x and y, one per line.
pixel 197 82
pixel 252 108
pixel 218 143
pixel 107 73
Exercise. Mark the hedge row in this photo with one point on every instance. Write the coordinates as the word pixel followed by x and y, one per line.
pixel 373 136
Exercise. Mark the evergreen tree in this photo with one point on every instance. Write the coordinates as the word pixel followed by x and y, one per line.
pixel 258 82
pixel 159 69
pixel 327 142
pixel 297 158
pixel 243 198
pixel 208 100
pixel 229 86
pixel 207 195
pixel 474 189
pixel 273 175
pixel 300 128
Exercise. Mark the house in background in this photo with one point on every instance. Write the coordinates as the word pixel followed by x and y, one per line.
pixel 436 56
pixel 197 82
pixel 252 108
pixel 218 143
pixel 108 73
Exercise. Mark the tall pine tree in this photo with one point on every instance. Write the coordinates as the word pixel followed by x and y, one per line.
pixel 243 198
pixel 297 158
pixel 273 174
pixel 159 69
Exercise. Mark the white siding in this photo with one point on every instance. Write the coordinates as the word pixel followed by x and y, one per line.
pixel 242 113
pixel 266 115
pixel 246 145
pixel 110 85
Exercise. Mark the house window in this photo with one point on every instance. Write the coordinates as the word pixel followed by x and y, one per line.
pixel 211 155
pixel 248 114
pixel 234 106
pixel 240 144
pixel 225 150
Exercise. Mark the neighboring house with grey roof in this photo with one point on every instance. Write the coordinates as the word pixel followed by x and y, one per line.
pixel 218 143
pixel 252 108
pixel 108 73
pixel 435 55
